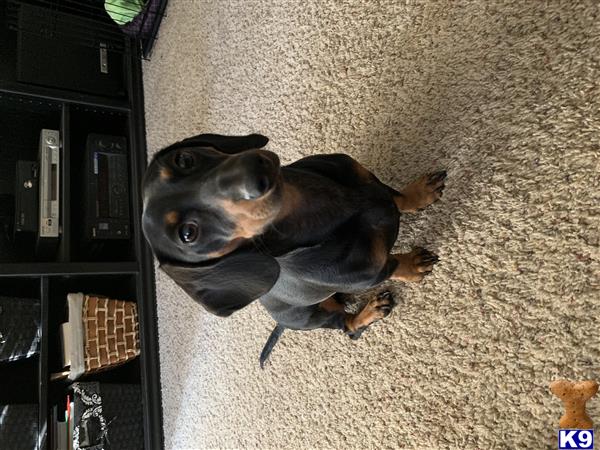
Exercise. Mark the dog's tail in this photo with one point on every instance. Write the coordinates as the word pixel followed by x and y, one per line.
pixel 268 348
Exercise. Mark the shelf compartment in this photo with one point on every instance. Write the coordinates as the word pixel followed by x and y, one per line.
pixel 21 312
pixel 85 121
pixel 23 403
pixel 69 21
pixel 119 287
pixel 52 34
pixel 141 25
pixel 23 119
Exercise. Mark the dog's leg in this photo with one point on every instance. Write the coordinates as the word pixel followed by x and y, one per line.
pixel 333 304
pixel 421 193
pixel 330 313
pixel 376 309
pixel 414 266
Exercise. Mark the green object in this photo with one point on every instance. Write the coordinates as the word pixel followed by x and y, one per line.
pixel 123 11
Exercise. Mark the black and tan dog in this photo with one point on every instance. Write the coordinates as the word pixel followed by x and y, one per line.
pixel 231 226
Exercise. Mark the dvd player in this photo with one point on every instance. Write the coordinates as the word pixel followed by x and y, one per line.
pixel 49 183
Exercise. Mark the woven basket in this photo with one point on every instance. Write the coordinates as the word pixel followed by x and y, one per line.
pixel 111 333
pixel 103 333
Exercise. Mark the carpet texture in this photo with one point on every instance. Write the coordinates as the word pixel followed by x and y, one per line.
pixel 506 97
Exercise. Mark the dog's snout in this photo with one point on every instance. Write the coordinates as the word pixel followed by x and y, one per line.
pixel 263 161
pixel 249 176
pixel 263 185
pixel 258 179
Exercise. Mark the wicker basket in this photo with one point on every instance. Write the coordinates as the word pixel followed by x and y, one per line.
pixel 102 333
pixel 111 333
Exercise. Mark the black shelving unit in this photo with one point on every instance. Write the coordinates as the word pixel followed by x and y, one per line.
pixel 124 271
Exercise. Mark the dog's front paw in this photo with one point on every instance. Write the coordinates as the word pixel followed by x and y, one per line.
pixel 436 182
pixel 420 194
pixel 414 266
pixel 424 260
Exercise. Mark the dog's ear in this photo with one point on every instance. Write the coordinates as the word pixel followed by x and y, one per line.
pixel 226 144
pixel 229 283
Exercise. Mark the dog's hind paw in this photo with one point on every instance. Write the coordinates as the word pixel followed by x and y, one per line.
pixel 424 260
pixel 378 308
pixel 384 303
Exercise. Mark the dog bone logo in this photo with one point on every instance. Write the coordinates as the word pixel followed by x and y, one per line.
pixel 574 396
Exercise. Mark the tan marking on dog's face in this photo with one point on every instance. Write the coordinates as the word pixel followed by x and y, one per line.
pixel 172 217
pixel 233 244
pixel 252 217
pixel 165 174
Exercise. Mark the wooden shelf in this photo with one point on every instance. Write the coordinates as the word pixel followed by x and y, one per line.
pixel 60 268
pixel 128 273
pixel 14 87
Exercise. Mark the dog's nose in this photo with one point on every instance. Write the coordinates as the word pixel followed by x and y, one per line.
pixel 248 176
pixel 258 181
pixel 263 185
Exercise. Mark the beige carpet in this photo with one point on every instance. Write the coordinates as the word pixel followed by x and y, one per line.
pixel 506 96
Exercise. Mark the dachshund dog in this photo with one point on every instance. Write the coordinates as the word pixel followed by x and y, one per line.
pixel 231 226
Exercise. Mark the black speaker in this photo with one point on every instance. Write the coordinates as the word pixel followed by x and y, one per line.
pixel 67 51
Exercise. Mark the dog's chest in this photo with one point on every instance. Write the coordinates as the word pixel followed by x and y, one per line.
pixel 312 223
pixel 325 207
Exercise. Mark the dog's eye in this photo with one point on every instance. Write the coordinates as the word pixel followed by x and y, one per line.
pixel 188 232
pixel 184 160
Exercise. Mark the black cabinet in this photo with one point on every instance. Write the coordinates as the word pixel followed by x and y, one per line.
pixel 122 269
